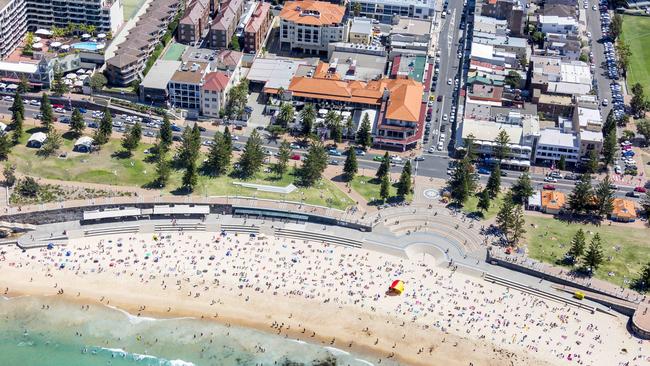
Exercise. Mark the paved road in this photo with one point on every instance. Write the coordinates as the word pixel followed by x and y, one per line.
pixel 434 165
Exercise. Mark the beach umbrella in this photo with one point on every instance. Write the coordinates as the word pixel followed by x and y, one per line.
pixel 228 253
pixel 50 246
pixel 68 253
pixel 62 265
pixel 397 287
pixel 252 235
pixel 211 258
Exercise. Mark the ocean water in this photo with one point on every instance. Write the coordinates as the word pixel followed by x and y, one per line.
pixel 39 331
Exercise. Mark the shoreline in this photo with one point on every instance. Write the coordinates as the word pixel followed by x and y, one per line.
pixel 227 317
pixel 326 295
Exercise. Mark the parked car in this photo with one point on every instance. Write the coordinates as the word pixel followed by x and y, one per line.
pixel 640 189
pixel 64 119
pixel 550 179
pixel 176 128
pixel 378 158
pixel 334 152
pixel 295 157
pixel 483 170
pixel 334 162
pixel 633 194
pixel 549 187
pixel 81 110
pixel 419 158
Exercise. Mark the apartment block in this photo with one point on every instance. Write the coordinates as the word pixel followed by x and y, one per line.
pixel 257 28
pixel 13 25
pixel 105 15
pixel 194 22
pixel 384 11
pixel 309 26
pixel 132 54
pixel 509 10
pixel 184 87
pixel 224 24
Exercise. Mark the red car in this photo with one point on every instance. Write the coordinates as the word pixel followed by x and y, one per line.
pixel 640 189
pixel 58 106
pixel 295 157
pixel 549 187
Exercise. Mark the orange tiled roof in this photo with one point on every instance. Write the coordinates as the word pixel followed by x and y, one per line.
pixel 404 102
pixel 623 208
pixel 312 12
pixel 553 200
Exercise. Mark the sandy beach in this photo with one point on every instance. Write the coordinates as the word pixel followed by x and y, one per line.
pixel 323 294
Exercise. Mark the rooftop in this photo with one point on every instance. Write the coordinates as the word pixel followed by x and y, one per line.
pixel 358 66
pixel 553 200
pixel 311 12
pixel 404 101
pixel 261 13
pixel 361 25
pixel 555 137
pixel 190 73
pixel 275 73
pixel 216 81
pixel 160 74
pixel 623 208
pixel 411 26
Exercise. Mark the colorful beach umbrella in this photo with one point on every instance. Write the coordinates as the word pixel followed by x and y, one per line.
pixel 397 287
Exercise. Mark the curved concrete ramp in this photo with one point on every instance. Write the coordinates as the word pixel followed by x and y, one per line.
pixel 418 250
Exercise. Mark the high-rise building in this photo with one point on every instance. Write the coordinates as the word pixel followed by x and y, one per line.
pixel 13 25
pixel 18 16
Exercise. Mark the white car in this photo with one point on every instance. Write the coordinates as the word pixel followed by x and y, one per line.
pixel 550 180
pixel 594 8
pixel 35 102
pixel 59 110
pixel 440 145
pixel 396 159
pixel 431 150
pixel 449 82
pixel 444 117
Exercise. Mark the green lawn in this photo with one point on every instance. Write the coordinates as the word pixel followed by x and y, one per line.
pixel 130 8
pixel 174 52
pixel 636 32
pixel 626 250
pixel 472 202
pixel 368 187
pixel 103 168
